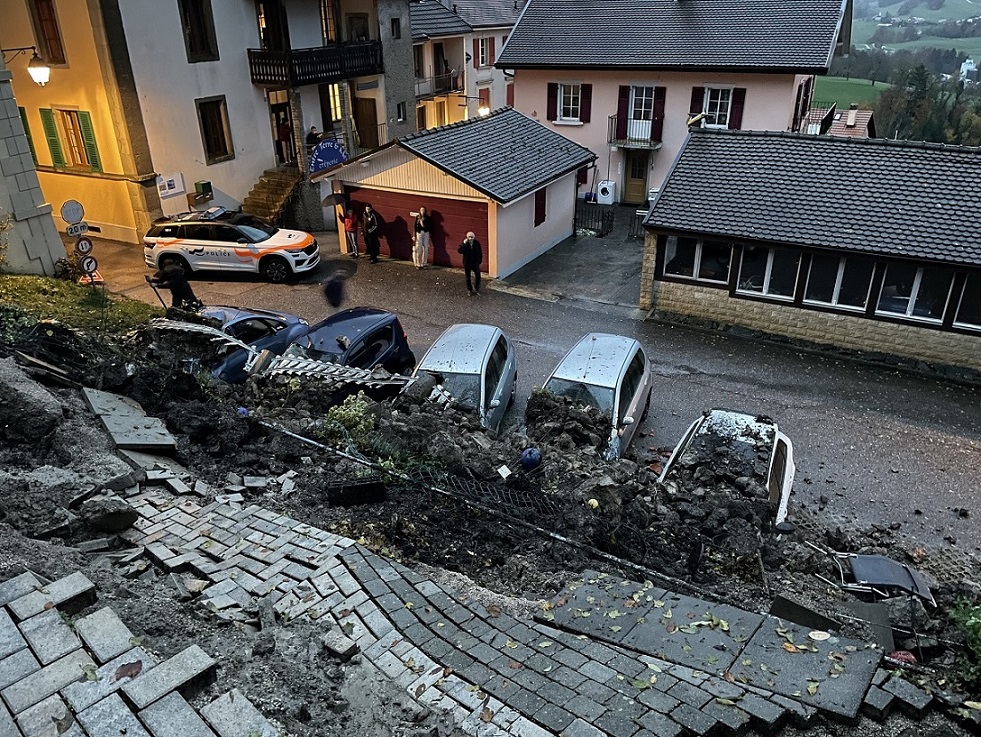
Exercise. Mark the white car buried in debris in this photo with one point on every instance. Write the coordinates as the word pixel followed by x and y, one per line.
pixel 738 445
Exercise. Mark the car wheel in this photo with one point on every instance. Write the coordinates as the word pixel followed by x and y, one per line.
pixel 275 269
pixel 170 259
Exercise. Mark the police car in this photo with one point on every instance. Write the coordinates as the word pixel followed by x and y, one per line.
pixel 217 239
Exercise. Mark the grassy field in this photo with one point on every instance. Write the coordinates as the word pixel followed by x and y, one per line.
pixel 862 30
pixel 847 91
pixel 951 10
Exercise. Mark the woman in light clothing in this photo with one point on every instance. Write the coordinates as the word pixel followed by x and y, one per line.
pixel 422 239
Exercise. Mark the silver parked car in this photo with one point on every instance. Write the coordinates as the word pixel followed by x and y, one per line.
pixel 478 367
pixel 750 446
pixel 611 373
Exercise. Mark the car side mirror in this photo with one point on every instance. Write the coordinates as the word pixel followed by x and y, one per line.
pixel 627 421
pixel 495 403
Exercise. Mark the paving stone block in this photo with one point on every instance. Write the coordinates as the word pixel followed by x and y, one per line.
pixel 524 728
pixel 8 727
pixel 689 694
pixel 107 679
pixel 17 666
pixel 729 717
pixel 111 716
pixel 48 680
pixel 910 699
pixel 189 666
pixel 617 725
pixel 582 728
pixel 18 586
pixel 10 638
pixel 660 725
pixel 801 715
pixel 657 700
pixel 554 718
pixel 49 636
pixel 172 716
pixel 69 594
pixel 597 671
pixel 339 645
pixel 695 721
pixel 48 718
pixel 766 716
pixel 878 703
pixel 233 715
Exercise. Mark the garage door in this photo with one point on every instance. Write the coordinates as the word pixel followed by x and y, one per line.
pixel 452 219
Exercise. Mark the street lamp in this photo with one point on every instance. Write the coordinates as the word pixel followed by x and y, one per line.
pixel 482 110
pixel 38 69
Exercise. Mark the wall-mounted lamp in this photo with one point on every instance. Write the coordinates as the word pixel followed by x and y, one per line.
pixel 483 110
pixel 38 69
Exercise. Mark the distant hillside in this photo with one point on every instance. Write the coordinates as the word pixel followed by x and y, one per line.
pixel 913 24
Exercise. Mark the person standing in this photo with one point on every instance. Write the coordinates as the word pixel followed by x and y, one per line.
pixel 172 277
pixel 285 132
pixel 472 256
pixel 350 222
pixel 369 229
pixel 422 239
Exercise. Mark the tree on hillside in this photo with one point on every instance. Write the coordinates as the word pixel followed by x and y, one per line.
pixel 917 110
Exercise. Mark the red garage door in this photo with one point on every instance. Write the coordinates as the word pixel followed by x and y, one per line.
pixel 451 221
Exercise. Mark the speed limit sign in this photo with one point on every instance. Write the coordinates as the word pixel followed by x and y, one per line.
pixel 83 246
pixel 88 264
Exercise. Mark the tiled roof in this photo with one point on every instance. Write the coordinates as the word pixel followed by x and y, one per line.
pixel 675 34
pixel 490 13
pixel 432 19
pixel 846 123
pixel 505 155
pixel 911 200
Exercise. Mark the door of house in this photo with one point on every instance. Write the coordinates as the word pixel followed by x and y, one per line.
pixel 635 176
pixel 282 126
pixel 641 113
pixel 273 28
pixel 366 122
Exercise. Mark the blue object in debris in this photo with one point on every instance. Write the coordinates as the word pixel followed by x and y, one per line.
pixel 242 411
pixel 531 458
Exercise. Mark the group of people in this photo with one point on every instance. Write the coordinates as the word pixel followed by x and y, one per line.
pixel 368 226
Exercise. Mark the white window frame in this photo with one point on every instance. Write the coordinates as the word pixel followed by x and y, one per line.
pixel 483 49
pixel 707 104
pixel 575 90
pixel 697 264
pixel 911 302
pixel 646 100
pixel 836 292
pixel 960 303
pixel 765 292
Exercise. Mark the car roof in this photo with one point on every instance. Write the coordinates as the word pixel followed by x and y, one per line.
pixel 214 214
pixel 462 348
pixel 598 358
pixel 731 425
pixel 351 323
pixel 226 314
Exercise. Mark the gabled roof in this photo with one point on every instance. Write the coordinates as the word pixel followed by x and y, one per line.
pixel 505 155
pixel 490 13
pixel 753 35
pixel 432 19
pixel 876 196
pixel 845 123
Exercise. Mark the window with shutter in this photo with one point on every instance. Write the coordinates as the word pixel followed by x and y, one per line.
pixel 585 102
pixel 198 25
pixel 51 136
pixel 657 121
pixel 540 200
pixel 80 149
pixel 569 99
pixel 552 103
pixel 27 132
pixel 88 141
pixel 215 131
pixel 46 30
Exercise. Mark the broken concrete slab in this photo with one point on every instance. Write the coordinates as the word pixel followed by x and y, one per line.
pixel 127 424
pixel 108 514
pixel 29 412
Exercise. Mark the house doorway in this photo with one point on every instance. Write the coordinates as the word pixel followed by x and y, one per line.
pixel 274 31
pixel 366 122
pixel 635 176
pixel 282 127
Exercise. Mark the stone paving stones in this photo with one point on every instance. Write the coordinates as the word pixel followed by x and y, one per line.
pixel 172 716
pixel 127 424
pixel 48 680
pixel 49 636
pixel 909 699
pixel 108 679
pixel 111 717
pixel 189 665
pixel 233 715
pixel 49 718
pixel 17 587
pixel 17 666
pixel 69 594
pixel 831 675
pixel 10 638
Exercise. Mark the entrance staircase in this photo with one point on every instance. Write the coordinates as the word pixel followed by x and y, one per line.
pixel 270 195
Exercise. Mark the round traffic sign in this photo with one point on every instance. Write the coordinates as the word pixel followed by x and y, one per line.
pixel 88 264
pixel 72 212
pixel 83 246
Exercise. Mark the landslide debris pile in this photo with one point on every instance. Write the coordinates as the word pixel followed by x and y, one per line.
pixel 457 497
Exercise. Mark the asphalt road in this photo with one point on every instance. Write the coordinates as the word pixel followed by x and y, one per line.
pixel 880 445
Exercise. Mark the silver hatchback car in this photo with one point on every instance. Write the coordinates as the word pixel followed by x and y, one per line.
pixel 479 369
pixel 611 373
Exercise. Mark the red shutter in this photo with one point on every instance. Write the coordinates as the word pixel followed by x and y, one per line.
pixel 736 111
pixel 585 102
pixel 553 101
pixel 582 176
pixel 697 100
pixel 623 112
pixel 540 206
pixel 483 96
pixel 510 95
pixel 476 53
pixel 490 51
pixel 657 121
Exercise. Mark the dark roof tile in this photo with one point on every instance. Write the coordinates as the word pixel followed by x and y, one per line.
pixel 432 19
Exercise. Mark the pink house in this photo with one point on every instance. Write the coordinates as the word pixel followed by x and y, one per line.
pixel 627 79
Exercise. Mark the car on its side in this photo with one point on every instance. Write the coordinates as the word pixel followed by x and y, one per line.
pixel 746 446
pixel 611 373
pixel 364 337
pixel 220 240
pixel 478 367
pixel 260 329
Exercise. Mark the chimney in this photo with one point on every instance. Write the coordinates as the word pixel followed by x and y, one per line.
pixel 852 118
pixel 454 7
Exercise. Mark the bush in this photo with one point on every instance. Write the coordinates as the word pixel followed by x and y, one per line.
pixel 349 422
pixel 967 617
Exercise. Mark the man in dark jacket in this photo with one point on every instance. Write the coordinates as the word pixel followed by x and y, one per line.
pixel 172 277
pixel 472 256
pixel 370 230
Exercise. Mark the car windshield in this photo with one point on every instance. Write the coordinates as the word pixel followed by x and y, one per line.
pixel 600 397
pixel 307 351
pixel 256 235
pixel 464 388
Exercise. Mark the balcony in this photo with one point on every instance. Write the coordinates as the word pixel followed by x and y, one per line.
pixel 318 65
pixel 441 84
pixel 631 133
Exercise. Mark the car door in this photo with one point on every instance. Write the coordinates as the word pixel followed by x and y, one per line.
pixel 630 399
pixel 234 251
pixel 492 402
pixel 373 348
pixel 199 246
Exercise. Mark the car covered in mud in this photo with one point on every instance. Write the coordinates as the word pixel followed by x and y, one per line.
pixel 477 366
pixel 742 448
pixel 611 373
pixel 261 330
pixel 220 240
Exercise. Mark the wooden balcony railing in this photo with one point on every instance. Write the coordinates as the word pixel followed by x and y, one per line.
pixel 317 65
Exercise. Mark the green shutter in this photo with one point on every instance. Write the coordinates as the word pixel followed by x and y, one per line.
pixel 51 134
pixel 88 140
pixel 27 132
